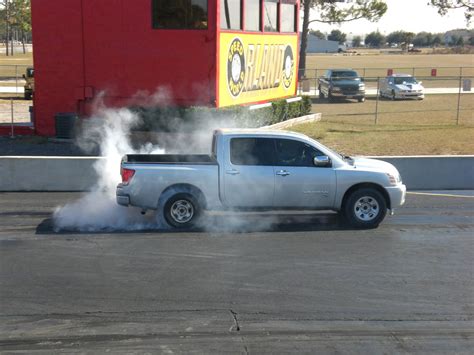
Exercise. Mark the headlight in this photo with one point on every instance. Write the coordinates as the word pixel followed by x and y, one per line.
pixel 361 86
pixel 394 180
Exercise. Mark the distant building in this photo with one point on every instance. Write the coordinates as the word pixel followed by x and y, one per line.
pixel 316 45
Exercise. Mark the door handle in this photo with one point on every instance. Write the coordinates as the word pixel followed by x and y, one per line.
pixel 283 173
pixel 232 172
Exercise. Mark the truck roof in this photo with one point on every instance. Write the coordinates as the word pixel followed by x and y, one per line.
pixel 259 132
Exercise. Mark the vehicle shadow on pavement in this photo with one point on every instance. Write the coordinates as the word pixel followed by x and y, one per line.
pixel 226 223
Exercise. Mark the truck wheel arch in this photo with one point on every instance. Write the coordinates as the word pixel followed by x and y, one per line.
pixel 377 187
pixel 182 188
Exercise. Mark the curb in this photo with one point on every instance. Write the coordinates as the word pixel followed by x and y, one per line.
pixel 314 117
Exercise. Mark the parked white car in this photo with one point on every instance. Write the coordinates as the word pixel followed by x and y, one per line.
pixel 401 86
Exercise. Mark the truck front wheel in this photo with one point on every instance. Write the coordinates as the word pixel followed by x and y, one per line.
pixel 182 211
pixel 321 94
pixel 365 208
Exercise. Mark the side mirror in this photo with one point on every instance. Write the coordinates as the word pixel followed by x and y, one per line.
pixel 322 161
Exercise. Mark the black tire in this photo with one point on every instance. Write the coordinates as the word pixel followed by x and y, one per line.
pixel 393 97
pixel 321 95
pixel 365 208
pixel 330 97
pixel 182 211
pixel 361 99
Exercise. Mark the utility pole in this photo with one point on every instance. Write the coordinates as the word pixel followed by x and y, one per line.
pixel 7 27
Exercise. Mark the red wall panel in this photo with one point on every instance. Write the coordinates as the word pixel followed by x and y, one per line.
pixel 58 60
pixel 89 47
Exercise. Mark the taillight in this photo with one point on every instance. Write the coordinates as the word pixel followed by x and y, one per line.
pixel 127 175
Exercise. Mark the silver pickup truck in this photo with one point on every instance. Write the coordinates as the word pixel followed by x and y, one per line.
pixel 261 170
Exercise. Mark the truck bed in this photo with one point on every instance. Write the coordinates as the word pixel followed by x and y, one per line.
pixel 195 159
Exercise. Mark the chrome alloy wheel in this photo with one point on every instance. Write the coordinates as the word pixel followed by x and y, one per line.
pixel 182 211
pixel 366 208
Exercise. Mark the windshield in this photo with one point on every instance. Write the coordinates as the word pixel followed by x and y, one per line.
pixel 346 74
pixel 405 80
pixel 326 149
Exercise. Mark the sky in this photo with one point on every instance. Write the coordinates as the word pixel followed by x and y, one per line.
pixel 408 15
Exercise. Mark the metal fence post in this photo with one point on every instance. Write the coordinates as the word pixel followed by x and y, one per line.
pixel 12 134
pixel 16 79
pixel 459 100
pixel 377 101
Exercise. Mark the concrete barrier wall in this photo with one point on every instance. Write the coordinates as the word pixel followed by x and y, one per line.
pixel 438 172
pixel 78 174
pixel 47 173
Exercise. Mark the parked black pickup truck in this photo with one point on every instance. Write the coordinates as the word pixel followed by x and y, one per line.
pixel 341 83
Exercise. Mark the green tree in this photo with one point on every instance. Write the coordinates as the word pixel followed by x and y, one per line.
pixel 338 36
pixel 17 18
pixel 396 37
pixel 453 40
pixel 423 39
pixel 374 39
pixel 336 11
pixel 318 34
pixel 437 40
pixel 445 5
pixel 356 41
pixel 407 40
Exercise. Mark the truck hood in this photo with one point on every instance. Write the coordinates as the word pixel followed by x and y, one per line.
pixel 374 165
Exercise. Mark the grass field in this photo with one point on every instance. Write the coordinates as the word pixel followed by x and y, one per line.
pixel 7 64
pixel 403 127
pixel 377 64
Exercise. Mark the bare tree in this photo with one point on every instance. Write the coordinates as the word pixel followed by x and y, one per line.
pixel 444 6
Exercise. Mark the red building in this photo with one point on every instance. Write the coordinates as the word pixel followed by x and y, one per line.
pixel 202 52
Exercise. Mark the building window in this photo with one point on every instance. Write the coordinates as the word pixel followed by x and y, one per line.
pixel 231 14
pixel 252 15
pixel 288 16
pixel 271 15
pixel 179 14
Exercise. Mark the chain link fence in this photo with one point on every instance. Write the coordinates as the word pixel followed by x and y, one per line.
pixel 14 109
pixel 448 98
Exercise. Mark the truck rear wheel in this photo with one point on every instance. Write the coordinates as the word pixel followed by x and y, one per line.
pixel 321 95
pixel 182 211
pixel 365 208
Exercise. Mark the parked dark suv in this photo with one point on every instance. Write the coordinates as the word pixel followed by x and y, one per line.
pixel 341 83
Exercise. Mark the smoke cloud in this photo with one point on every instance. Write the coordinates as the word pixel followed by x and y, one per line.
pixel 109 133
pixel 109 130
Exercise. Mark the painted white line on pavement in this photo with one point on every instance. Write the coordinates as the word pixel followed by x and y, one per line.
pixel 438 194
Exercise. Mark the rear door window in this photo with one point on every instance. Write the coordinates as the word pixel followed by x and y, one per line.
pixel 252 151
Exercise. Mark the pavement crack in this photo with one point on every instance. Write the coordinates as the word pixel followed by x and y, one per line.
pixel 236 325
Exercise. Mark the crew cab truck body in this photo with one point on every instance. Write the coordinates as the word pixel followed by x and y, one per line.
pixel 341 84
pixel 264 170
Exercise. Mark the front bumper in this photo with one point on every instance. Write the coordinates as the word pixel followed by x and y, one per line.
pixel 410 95
pixel 348 94
pixel 397 195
